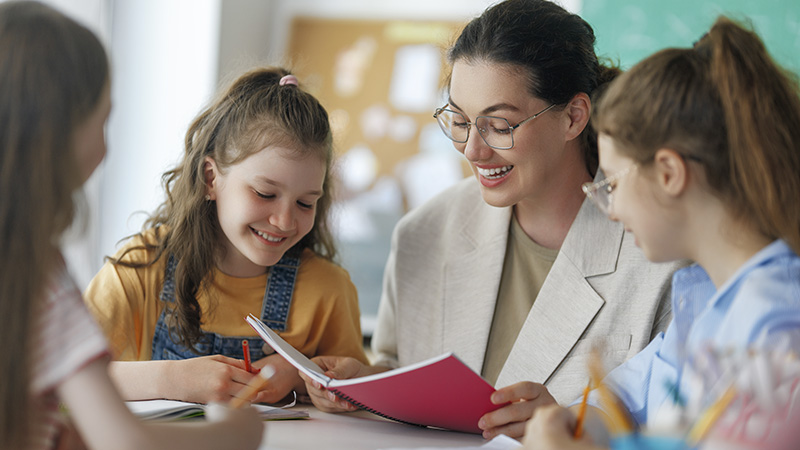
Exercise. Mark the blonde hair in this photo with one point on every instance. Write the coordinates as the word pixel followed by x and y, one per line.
pixel 726 103
pixel 253 113
pixel 52 74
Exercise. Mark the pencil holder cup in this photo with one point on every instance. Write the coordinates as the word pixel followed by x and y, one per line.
pixel 636 441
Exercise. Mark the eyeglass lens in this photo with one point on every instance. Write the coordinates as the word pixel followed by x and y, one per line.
pixel 603 196
pixel 495 131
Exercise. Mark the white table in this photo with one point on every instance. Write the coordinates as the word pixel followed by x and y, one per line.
pixel 358 430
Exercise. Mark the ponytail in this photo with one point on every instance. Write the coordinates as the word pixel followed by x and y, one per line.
pixel 726 104
pixel 761 107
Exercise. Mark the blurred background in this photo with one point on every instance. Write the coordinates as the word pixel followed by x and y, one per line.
pixel 376 65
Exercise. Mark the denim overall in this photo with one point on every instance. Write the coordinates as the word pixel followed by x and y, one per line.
pixel 274 313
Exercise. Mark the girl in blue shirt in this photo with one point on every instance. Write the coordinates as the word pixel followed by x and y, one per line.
pixel 701 148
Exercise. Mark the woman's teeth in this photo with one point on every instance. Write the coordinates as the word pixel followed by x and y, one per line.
pixel 494 173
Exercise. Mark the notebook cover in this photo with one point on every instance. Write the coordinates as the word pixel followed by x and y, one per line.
pixel 439 392
pixel 443 394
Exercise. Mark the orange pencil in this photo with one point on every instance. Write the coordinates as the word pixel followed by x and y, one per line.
pixel 246 351
pixel 582 411
pixel 620 421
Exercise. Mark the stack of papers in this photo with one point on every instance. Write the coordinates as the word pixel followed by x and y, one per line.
pixel 168 410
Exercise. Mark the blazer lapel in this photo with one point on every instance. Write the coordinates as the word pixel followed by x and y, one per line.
pixel 566 304
pixel 471 282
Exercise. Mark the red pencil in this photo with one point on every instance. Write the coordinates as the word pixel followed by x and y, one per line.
pixel 246 351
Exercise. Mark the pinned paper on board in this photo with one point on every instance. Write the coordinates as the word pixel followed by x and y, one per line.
pixel 352 64
pixel 415 78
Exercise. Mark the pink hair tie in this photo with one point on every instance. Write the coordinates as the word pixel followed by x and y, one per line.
pixel 288 79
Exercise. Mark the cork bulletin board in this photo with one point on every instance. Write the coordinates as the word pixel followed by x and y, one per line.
pixel 380 82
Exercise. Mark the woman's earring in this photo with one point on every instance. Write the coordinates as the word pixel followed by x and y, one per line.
pixel 208 197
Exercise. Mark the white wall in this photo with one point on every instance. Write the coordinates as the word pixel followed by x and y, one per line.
pixel 81 248
pixel 164 69
pixel 164 58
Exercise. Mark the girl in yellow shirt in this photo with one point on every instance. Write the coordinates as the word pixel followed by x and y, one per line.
pixel 243 230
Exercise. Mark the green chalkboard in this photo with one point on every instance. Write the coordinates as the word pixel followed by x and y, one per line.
pixel 629 30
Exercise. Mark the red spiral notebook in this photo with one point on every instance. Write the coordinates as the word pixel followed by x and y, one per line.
pixel 440 392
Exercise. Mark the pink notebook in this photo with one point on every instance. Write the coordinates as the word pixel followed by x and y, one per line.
pixel 440 392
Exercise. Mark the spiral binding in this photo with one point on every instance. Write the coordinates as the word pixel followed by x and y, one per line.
pixel 367 408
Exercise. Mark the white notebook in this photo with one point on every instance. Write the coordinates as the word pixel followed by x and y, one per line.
pixel 168 410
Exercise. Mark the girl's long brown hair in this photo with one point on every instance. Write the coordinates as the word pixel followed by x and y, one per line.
pixel 52 74
pixel 253 113
pixel 726 103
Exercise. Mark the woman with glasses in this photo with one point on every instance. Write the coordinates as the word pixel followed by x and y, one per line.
pixel 511 269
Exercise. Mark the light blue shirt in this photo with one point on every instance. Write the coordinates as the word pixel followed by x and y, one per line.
pixel 758 304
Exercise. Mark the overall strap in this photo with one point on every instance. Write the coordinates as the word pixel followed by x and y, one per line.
pixel 280 287
pixel 168 288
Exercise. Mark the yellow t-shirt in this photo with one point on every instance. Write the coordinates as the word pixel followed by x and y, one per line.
pixel 324 317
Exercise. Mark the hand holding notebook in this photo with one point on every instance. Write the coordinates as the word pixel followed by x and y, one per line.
pixel 440 392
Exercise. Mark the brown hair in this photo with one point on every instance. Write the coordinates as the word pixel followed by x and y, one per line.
pixel 726 103
pixel 253 113
pixel 553 47
pixel 52 74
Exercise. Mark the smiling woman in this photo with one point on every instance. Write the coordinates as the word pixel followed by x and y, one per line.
pixel 512 269
pixel 243 231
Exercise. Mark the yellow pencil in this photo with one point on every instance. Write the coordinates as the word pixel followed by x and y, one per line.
pixel 710 416
pixel 252 387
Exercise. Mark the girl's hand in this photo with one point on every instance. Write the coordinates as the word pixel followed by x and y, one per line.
pixel 339 367
pixel 284 381
pixel 207 379
pixel 552 428
pixel 524 398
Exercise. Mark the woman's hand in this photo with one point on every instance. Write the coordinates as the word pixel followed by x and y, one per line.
pixel 523 399
pixel 339 367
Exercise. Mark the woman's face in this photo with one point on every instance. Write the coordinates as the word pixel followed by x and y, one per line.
pixel 532 166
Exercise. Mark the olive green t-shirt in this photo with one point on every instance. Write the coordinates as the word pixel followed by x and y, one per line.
pixel 525 268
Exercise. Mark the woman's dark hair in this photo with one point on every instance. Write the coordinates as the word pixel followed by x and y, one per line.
pixel 553 47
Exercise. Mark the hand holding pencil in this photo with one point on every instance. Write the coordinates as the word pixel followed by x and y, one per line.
pixel 233 413
pixel 255 385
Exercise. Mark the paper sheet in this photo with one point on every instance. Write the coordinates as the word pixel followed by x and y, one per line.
pixel 501 442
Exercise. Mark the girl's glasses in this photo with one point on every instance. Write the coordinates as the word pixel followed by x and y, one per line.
pixel 496 132
pixel 602 192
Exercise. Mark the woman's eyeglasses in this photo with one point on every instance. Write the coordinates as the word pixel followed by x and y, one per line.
pixel 496 132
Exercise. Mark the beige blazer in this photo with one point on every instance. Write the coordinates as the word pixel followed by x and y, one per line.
pixel 443 275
